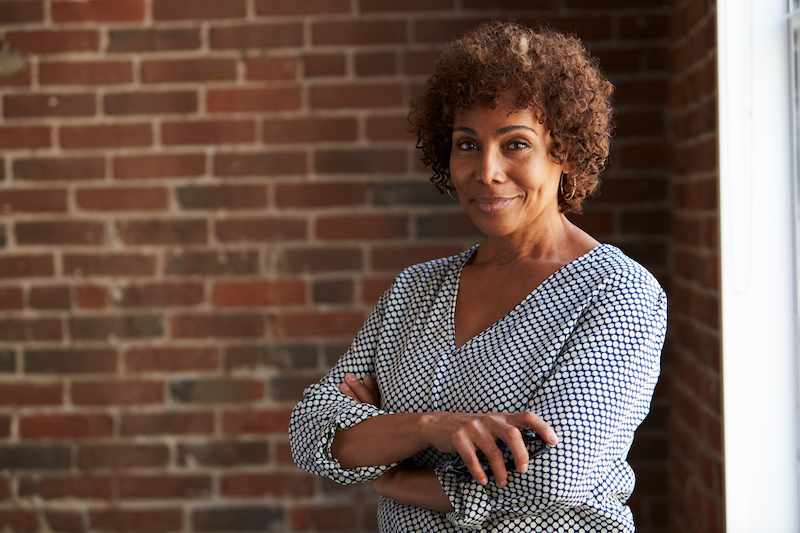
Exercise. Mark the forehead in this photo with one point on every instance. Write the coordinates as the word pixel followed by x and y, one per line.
pixel 493 119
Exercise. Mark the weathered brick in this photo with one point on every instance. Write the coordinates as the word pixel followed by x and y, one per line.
pixel 161 295
pixel 86 72
pixel 274 68
pixel 54 297
pixel 174 70
pixel 194 423
pixel 359 32
pixel 15 137
pixel 210 325
pixel 198 9
pixel 214 391
pixel 334 517
pixel 164 486
pixel 118 393
pixel 283 356
pixel 222 197
pixel 163 231
pixel 320 260
pixel 20 393
pixel 396 258
pixel 122 456
pixel 260 164
pixel 19 520
pixel 307 7
pixel 324 64
pixel 256 422
pixel 360 161
pixel 30 329
pixel 261 229
pixel 80 486
pixel 372 95
pixel 125 327
pixel 224 453
pixel 64 521
pixel 361 227
pixel 113 265
pixel 159 166
pixel 314 195
pixel 221 262
pixel 11 298
pixel 253 100
pixel 18 11
pixel 376 64
pixel 65 426
pixel 70 361
pixel 152 40
pixel 259 293
pixel 411 194
pixel 209 132
pixel 105 136
pixel 333 291
pixel 122 199
pixel 289 388
pixel 140 103
pixel 48 105
pixel 98 11
pixel 317 324
pixel 258 36
pixel 26 266
pixel 61 232
pixel 93 296
pixel 273 484
pixel 137 520
pixel 28 457
pixel 68 169
pixel 171 359
pixel 33 201
pixel 54 41
pixel 388 128
pixel 306 130
pixel 250 518
pixel 442 226
pixel 368 6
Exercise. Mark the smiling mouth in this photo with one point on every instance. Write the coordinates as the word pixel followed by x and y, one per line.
pixel 490 206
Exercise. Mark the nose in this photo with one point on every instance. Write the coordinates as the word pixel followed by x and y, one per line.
pixel 490 169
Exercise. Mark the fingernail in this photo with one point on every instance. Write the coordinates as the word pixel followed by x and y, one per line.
pixel 344 387
pixel 524 468
pixel 502 484
pixel 350 377
pixel 483 481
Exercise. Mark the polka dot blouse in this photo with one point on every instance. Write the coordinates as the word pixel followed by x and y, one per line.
pixel 582 351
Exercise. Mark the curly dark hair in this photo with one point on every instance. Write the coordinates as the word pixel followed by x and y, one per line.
pixel 548 71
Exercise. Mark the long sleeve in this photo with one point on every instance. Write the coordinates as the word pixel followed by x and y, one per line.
pixel 324 409
pixel 597 393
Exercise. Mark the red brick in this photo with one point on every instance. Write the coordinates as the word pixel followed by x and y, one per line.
pixel 60 232
pixel 152 40
pixel 260 229
pixel 172 70
pixel 307 130
pixel 420 62
pixel 105 136
pixel 72 169
pixel 93 296
pixel 22 79
pixel 334 518
pixel 222 197
pixel 218 390
pixel 396 258
pixel 33 201
pixel 160 424
pixel 360 161
pixel 81 486
pixel 137 520
pixel 60 361
pixel 239 518
pixel 98 11
pixel 253 100
pixel 141 103
pixel 113 265
pixel 85 72
pixel 224 453
pixel 260 164
pixel 324 64
pixel 272 484
pixel 110 392
pixel 159 166
pixel 171 359
pixel 259 36
pixel 368 6
pixel 54 41
pixel 634 190
pixel 19 521
pixel 442 30
pixel 359 32
pixel 221 262
pixel 198 9
pixel 48 105
pixel 21 393
pixel 361 227
pixel 120 326
pixel 65 426
pixel 388 128
pixel 123 199
pixel 376 64
pixel 269 422
pixel 376 95
pixel 17 11
pixel 372 288
pixel 317 324
pixel 161 295
pixel 164 487
pixel 210 325
pixel 54 297
pixel 644 156
pixel 269 356
pixel 321 260
pixel 259 293
pixel 313 195
pixel 67 521
pixel 12 137
pixel 273 68
pixel 307 7
pixel 123 456
pixel 26 266
pixel 180 232
pixel 208 132
pixel 10 298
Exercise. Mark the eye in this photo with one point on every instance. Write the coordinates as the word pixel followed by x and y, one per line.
pixel 517 145
pixel 466 146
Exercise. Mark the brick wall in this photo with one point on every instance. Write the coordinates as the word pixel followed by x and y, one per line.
pixel 696 423
pixel 200 203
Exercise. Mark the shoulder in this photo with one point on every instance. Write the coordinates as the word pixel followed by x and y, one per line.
pixel 609 265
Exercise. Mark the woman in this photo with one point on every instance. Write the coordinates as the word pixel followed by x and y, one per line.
pixel 499 389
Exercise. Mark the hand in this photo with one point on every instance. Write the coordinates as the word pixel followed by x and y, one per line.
pixel 466 434
pixel 361 391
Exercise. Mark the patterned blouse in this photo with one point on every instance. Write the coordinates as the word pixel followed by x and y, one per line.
pixel 582 351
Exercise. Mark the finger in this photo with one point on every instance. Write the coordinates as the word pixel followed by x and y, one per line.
pixel 496 463
pixel 372 386
pixel 466 450
pixel 347 391
pixel 362 393
pixel 539 426
pixel 513 439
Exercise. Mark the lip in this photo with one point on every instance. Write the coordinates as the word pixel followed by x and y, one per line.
pixel 490 205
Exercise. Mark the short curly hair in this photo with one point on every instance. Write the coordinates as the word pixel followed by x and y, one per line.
pixel 548 71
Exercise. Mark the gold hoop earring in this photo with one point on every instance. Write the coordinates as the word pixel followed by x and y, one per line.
pixel 561 187
pixel 448 187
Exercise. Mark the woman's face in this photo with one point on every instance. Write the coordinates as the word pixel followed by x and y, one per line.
pixel 502 169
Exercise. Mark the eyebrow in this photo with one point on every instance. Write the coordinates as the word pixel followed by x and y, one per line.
pixel 501 131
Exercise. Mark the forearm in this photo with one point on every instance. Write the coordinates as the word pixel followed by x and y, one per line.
pixel 420 488
pixel 380 440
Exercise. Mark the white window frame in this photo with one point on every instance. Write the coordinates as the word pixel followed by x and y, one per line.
pixel 758 273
